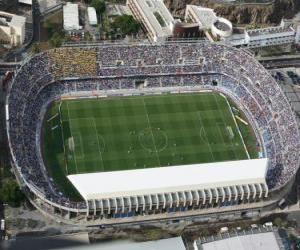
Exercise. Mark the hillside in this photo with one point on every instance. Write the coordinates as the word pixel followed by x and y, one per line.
pixel 242 14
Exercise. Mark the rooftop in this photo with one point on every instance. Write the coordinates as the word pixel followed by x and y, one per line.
pixel 269 30
pixel 11 19
pixel 71 16
pixel 206 16
pixel 158 16
pixel 104 185
pixel 92 15
pixel 262 241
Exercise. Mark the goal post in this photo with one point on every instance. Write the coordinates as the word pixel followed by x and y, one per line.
pixel 71 144
pixel 230 132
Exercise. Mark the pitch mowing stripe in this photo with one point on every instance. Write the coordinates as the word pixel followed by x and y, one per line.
pixel 62 134
pixel 207 141
pixel 93 119
pixel 149 126
pixel 70 124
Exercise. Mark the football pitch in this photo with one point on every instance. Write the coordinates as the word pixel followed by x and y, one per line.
pixel 122 133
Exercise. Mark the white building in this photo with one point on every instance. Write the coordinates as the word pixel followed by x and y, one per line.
pixel 271 36
pixel 208 21
pixel 12 29
pixel 71 17
pixel 154 16
pixel 28 2
pixel 258 241
pixel 297 38
pixel 117 10
pixel 92 16
pixel 283 34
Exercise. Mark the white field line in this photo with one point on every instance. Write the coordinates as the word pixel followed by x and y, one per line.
pixel 74 154
pixel 224 140
pixel 63 137
pixel 78 135
pixel 207 141
pixel 94 123
pixel 149 125
pixel 238 128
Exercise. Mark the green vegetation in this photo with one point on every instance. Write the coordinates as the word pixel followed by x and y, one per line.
pixel 49 26
pixel 35 48
pixel 10 193
pixel 56 40
pixel 280 222
pixel 126 25
pixel 123 133
pixel 99 5
pixel 88 36
pixel 55 36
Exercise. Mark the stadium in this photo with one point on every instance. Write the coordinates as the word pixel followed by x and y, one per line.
pixel 117 133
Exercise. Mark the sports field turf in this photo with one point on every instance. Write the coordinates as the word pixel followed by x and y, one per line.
pixel 120 133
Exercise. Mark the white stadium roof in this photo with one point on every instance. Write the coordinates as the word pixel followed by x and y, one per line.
pixel 137 182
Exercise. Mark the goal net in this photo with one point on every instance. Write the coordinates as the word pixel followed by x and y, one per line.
pixel 71 144
pixel 230 132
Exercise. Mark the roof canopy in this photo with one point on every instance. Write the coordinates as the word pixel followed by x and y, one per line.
pixel 169 179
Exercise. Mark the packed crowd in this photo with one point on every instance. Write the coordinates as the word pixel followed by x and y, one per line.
pixel 206 66
pixel 72 62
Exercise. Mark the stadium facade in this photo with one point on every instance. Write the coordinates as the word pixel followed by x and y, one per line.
pixel 113 70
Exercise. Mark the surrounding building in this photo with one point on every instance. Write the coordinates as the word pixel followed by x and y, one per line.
pixel 71 17
pixel 298 34
pixel 284 34
pixel 271 36
pixel 174 243
pixel 92 16
pixel 12 29
pixel 215 27
pixel 258 241
pixel 154 16
pixel 117 10
pixel 8 5
pixel 27 2
pixel 160 25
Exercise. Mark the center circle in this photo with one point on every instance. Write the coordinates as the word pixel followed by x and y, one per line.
pixel 153 139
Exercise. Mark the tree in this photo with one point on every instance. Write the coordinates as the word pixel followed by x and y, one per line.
pixel 56 40
pixel 11 193
pixel 88 36
pixel 278 222
pixel 99 5
pixel 126 25
pixel 49 26
pixel 35 48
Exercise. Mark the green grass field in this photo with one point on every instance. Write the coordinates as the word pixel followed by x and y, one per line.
pixel 121 133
